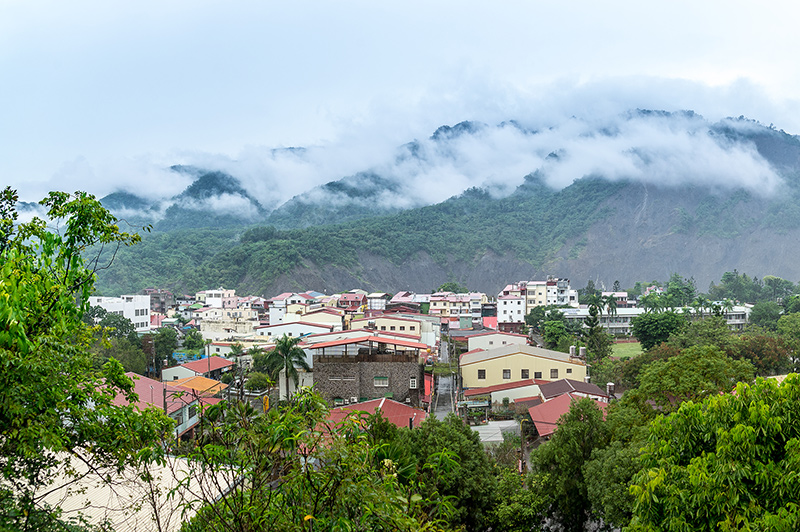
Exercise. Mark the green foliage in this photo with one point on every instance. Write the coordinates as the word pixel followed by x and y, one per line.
pixel 454 287
pixel 258 381
pixel 522 504
pixel 166 342
pixel 727 463
pixel 129 355
pixel 710 331
pixel 299 473
pixel 558 465
pixel 55 402
pixel 194 340
pixel 180 259
pixel 769 354
pixel 696 373
pixel 555 334
pixel 652 328
pixel 766 314
pixel 286 357
pixel 470 480
pixel 118 326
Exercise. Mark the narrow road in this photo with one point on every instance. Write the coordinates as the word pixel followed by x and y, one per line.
pixel 443 402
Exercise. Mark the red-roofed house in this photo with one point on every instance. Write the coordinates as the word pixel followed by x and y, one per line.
pixel 546 415
pixel 396 413
pixel 181 405
pixel 511 390
pixel 352 300
pixel 210 367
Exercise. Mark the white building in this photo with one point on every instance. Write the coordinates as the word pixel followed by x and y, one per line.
pixel 134 307
pixel 219 298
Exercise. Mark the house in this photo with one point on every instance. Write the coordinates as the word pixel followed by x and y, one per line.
pixel 181 406
pixel 369 367
pixel 399 414
pixel 512 391
pixel 510 363
pixel 134 307
pixel 545 416
pixel 390 324
pixel 492 339
pixel 211 367
pixel 160 300
pixel 510 313
pixel 323 316
pixel 351 300
pixel 549 390
pixel 377 300
pixel 200 386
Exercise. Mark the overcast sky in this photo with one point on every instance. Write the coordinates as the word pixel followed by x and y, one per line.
pixel 97 93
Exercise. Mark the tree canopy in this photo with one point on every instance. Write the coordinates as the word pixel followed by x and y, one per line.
pixel 55 403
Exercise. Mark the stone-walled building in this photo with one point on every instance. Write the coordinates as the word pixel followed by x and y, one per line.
pixel 359 369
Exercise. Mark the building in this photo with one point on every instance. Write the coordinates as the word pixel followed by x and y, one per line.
pixel 398 414
pixel 510 313
pixel 210 367
pixel 160 300
pixel 134 307
pixel 370 367
pixel 490 340
pixel 511 363
pixel 181 406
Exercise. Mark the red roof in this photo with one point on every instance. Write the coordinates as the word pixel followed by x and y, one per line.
pixel 151 394
pixel 372 339
pixel 546 415
pixel 394 412
pixel 428 387
pixel 204 365
pixel 504 386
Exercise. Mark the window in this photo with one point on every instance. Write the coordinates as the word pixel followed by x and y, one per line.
pixel 217 349
pixel 383 327
pixel 391 327
pixel 402 327
pixel 553 373
pixel 525 374
pixel 380 382
pixel 569 370
pixel 192 411
pixel 491 342
pixel 506 373
pixel 481 374
pixel 412 383
pixel 412 327
pixel 537 374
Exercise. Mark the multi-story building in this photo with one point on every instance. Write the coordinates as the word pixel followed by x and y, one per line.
pixel 160 300
pixel 219 298
pixel 134 307
pixel 511 363
pixel 358 369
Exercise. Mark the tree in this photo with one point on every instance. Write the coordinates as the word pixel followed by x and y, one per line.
pixel 259 381
pixel 166 342
pixel 470 480
pixel 710 331
pixel 555 334
pixel 454 287
pixel 766 314
pixel 598 342
pixel 652 328
pixel 118 326
pixel 194 340
pixel 696 373
pixel 129 355
pixel 726 463
pixel 301 474
pixel 55 403
pixel 769 354
pixel 287 357
pixel 615 287
pixel 558 464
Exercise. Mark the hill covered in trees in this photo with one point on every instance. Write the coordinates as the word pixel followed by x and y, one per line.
pixel 730 203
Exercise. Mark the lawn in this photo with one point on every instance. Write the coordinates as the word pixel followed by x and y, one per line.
pixel 629 349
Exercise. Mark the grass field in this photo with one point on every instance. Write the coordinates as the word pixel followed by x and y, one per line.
pixel 630 349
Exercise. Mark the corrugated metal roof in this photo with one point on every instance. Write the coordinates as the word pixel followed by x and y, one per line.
pixel 394 412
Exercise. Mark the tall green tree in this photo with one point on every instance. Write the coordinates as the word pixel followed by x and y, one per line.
pixel 287 357
pixel 55 403
pixel 652 328
pixel 194 340
pixel 558 465
pixel 166 342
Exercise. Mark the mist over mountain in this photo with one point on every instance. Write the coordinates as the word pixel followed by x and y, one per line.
pixel 635 198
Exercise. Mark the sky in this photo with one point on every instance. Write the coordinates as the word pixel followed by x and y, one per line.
pixel 105 95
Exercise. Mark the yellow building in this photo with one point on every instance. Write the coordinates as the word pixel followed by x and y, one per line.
pixel 390 324
pixel 511 363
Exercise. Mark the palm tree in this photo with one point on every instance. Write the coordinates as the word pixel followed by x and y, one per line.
pixel 287 357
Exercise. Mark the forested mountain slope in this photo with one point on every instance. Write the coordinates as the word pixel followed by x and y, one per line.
pixel 700 199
